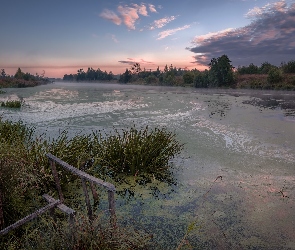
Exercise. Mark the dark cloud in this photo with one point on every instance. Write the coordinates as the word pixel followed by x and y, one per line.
pixel 133 61
pixel 269 37
pixel 127 62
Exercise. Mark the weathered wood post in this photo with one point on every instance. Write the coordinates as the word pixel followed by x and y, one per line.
pixel 111 197
pixel 87 200
pixel 56 179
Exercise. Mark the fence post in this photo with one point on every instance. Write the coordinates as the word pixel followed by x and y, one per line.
pixel 111 197
pixel 56 179
pixel 87 200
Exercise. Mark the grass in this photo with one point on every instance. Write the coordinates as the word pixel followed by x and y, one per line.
pixel 12 104
pixel 25 175
pixel 2 91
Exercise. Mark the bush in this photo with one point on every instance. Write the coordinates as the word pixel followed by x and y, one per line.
pixel 12 104
pixel 274 76
pixel 136 151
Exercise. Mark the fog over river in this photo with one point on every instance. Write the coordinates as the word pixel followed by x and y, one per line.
pixel 235 178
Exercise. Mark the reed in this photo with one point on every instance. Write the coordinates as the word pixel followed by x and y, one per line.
pixel 12 104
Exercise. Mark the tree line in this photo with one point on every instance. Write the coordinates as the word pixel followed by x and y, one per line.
pixel 21 79
pixel 90 75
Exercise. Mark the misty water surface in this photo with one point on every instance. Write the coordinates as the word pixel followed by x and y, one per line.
pixel 235 178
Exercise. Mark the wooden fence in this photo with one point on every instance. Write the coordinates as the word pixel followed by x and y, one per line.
pixel 84 177
pixel 53 203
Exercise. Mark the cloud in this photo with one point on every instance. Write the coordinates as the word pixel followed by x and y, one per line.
pixel 152 8
pixel 170 32
pixel 132 61
pixel 162 22
pixel 111 16
pixel 269 37
pixel 127 62
pixel 141 9
pixel 127 14
pixel 114 38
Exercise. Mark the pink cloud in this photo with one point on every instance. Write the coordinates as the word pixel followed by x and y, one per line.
pixel 170 32
pixel 162 22
pixel 111 16
pixel 129 15
pixel 141 9
pixel 152 8
pixel 212 35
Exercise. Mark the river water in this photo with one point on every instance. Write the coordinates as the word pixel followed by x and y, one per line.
pixel 235 178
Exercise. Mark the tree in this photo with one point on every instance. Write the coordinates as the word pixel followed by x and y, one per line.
pixel 221 71
pixel 188 77
pixel 265 68
pixel 126 77
pixel 19 74
pixel 3 74
pixel 136 68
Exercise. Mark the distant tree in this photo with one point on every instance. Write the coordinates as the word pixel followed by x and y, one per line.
pixel 81 75
pixel 266 67
pixel 221 71
pixel 165 69
pixel 201 79
pixel 3 74
pixel 126 77
pixel 188 77
pixel 288 67
pixel 136 68
pixel 19 74
pixel 274 76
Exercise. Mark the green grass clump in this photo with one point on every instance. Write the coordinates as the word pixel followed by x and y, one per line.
pixel 132 151
pixel 2 91
pixel 12 104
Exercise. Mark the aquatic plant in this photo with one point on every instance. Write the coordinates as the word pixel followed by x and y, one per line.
pixel 134 151
pixel 2 91
pixel 12 104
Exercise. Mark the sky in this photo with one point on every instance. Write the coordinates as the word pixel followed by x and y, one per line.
pixel 60 37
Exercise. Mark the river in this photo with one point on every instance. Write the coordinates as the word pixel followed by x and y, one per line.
pixel 235 179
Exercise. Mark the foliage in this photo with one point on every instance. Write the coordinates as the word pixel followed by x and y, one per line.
pixel 136 151
pixel 126 77
pixel 2 91
pixel 21 80
pixel 89 75
pixel 288 67
pixel 274 76
pixel 12 104
pixel 221 72
pixel 57 234
pixel 188 77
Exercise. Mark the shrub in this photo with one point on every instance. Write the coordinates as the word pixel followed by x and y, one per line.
pixel 135 151
pixel 274 76
pixel 12 104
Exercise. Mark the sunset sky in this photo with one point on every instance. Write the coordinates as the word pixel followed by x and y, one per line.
pixel 61 37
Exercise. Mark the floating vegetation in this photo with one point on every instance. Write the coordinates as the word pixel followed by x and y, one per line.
pixel 12 104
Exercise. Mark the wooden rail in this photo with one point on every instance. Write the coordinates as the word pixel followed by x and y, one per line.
pixel 84 177
pixel 52 204
pixel 59 203
pixel 30 217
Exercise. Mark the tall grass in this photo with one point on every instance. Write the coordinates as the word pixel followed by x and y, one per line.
pixel 12 104
pixel 136 151
pixel 25 174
